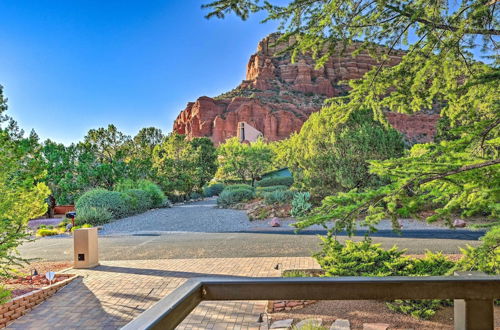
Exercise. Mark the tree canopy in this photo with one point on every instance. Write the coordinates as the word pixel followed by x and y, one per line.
pixel 438 72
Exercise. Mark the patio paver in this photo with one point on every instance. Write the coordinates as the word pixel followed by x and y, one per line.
pixel 112 294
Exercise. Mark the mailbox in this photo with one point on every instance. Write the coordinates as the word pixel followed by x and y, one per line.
pixel 86 252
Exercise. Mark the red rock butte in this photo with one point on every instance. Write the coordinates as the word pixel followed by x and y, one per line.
pixel 278 96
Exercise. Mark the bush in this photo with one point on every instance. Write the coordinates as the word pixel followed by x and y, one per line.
pixel 213 190
pixel 139 200
pixel 278 197
pixel 152 189
pixel 113 201
pixel 4 295
pixel 238 187
pixel 231 197
pixel 85 225
pixel 366 259
pixel 262 190
pixel 195 195
pixel 300 204
pixel 92 215
pixel 277 181
pixel 43 232
pixel 484 258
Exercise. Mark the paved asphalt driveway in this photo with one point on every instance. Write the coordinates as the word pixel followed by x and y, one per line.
pixel 199 230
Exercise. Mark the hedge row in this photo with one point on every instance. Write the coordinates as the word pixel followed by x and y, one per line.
pixel 99 206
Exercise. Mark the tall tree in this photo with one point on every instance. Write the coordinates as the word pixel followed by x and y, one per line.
pixel 140 152
pixel 182 166
pixel 243 161
pixel 23 193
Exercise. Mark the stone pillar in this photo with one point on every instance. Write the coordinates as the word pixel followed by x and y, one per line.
pixel 472 314
pixel 86 253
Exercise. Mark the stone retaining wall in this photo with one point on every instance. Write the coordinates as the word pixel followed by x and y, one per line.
pixel 21 305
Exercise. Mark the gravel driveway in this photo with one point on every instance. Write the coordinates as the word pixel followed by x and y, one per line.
pixel 200 216
pixel 204 216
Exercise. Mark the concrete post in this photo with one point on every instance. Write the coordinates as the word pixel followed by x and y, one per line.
pixel 86 253
pixel 473 314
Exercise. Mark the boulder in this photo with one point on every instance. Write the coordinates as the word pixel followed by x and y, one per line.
pixel 275 222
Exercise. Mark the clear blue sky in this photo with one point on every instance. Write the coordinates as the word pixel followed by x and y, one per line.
pixel 71 65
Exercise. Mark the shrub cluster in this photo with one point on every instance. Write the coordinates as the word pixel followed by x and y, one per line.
pixel 99 206
pixel 367 259
pixel 233 195
pixel 93 215
pixel 278 197
pixel 153 190
pixel 213 190
pixel 277 181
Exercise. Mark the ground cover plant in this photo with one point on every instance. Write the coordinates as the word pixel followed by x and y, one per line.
pixel 367 259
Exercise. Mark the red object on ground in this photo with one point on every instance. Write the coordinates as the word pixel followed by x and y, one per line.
pixel 275 222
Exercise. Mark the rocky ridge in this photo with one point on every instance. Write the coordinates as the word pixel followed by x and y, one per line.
pixel 278 96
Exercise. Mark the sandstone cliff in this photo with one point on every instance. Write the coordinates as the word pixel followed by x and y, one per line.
pixel 277 96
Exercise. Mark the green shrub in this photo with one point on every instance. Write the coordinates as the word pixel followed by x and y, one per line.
pixel 63 223
pixel 47 232
pixel 420 309
pixel 92 215
pixel 113 201
pixel 278 197
pixel 360 259
pixel 155 193
pixel 213 190
pixel 4 295
pixel 484 258
pixel 139 200
pixel 366 259
pixel 85 225
pixel 277 181
pixel 239 187
pixel 195 195
pixel 301 204
pixel 262 190
pixel 231 197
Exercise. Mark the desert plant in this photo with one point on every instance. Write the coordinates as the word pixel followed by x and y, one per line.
pixel 113 201
pixel 278 197
pixel 231 197
pixel 277 181
pixel 93 215
pixel 301 204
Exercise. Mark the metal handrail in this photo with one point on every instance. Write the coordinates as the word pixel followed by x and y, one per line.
pixel 478 292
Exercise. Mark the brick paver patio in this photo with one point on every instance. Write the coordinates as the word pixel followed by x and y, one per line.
pixel 109 296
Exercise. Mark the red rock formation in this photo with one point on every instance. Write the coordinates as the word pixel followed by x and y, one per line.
pixel 278 96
